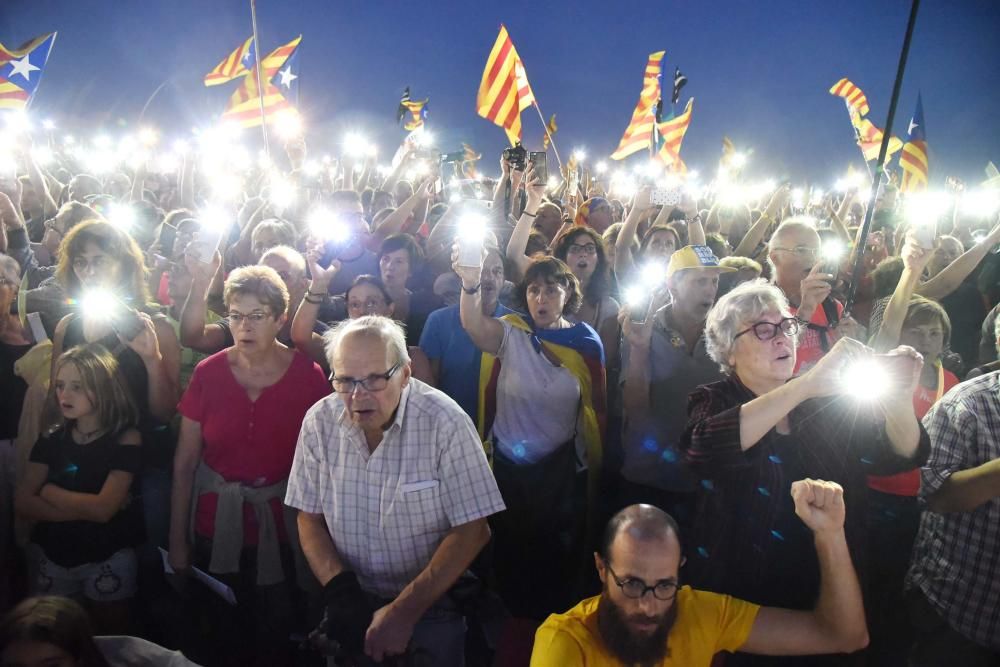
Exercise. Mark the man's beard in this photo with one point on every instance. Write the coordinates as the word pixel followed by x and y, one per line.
pixel 623 643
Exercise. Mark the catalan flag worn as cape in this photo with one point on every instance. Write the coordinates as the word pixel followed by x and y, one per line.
pixel 639 133
pixel 21 70
pixel 580 351
pixel 913 159
pixel 244 105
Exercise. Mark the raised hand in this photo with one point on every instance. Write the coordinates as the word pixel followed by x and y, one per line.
pixel 820 505
pixel 814 289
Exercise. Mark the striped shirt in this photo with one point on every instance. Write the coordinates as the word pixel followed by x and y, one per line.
pixel 388 510
pixel 956 559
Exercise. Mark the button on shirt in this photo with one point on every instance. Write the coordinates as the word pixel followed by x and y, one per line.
pixel 652 456
pixel 388 510
pixel 956 559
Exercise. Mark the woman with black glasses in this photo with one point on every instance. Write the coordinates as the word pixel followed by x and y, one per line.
pixel 754 433
pixel 240 421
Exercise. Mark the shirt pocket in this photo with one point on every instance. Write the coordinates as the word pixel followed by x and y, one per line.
pixel 417 508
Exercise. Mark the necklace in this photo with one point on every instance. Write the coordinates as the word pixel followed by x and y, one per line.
pixel 85 435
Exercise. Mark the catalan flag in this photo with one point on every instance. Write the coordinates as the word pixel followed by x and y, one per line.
pixel 869 137
pixel 679 82
pixel 418 112
pixel 469 159
pixel 244 104
pixel 673 132
pixel 236 64
pixel 852 95
pixel 21 70
pixel 913 159
pixel 728 149
pixel 550 130
pixel 639 133
pixel 504 91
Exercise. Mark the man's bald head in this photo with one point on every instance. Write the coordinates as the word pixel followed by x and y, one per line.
pixel 642 523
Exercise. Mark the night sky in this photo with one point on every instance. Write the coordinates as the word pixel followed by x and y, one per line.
pixel 759 69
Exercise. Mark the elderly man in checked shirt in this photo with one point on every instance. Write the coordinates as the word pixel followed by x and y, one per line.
pixel 954 578
pixel 393 490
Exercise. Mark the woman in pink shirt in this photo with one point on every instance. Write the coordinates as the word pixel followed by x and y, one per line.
pixel 240 421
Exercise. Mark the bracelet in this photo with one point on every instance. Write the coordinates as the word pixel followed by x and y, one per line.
pixel 315 302
pixel 319 294
pixel 530 215
pixel 473 290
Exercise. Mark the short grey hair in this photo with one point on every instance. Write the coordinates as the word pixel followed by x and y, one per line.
pixel 737 310
pixel 289 254
pixel 389 331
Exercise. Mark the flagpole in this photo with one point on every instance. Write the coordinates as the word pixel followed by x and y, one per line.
pixel 552 142
pixel 857 137
pixel 260 81
pixel 880 166
pixel 27 106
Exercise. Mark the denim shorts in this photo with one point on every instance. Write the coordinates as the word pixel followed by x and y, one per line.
pixel 108 581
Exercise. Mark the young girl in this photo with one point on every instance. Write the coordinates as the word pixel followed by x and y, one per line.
pixel 78 488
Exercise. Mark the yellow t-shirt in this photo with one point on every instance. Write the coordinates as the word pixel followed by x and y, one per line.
pixel 706 624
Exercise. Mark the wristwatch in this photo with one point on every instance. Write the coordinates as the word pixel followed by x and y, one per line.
pixel 472 290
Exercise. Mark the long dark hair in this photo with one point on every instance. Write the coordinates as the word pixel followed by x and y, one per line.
pixel 598 287
pixel 53 620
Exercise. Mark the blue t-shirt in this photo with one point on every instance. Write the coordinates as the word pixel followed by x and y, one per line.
pixel 445 339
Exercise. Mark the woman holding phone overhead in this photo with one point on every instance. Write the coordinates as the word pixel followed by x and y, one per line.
pixel 101 269
pixel 752 434
pixel 542 391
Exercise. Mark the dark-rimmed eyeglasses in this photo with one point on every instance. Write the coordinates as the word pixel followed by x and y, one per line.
pixel 372 383
pixel 585 249
pixel 635 589
pixel 789 326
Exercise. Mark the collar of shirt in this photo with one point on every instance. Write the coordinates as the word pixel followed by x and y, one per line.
pixel 661 320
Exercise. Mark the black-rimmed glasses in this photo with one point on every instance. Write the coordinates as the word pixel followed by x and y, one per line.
pixel 372 383
pixel 789 326
pixel 637 588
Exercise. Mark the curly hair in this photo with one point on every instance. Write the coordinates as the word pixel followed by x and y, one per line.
pixel 598 286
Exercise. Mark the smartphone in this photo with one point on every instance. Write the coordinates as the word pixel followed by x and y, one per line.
pixel 898 368
pixel 665 196
pixel 332 249
pixel 573 183
pixel 126 322
pixel 206 243
pixel 539 163
pixel 470 249
pixel 457 156
pixel 925 234
pixel 168 234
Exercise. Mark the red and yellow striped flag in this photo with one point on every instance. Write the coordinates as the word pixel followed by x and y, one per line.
pixel 244 105
pixel 232 66
pixel 504 91
pixel 673 132
pixel 852 95
pixel 639 132
pixel 728 149
pixel 551 130
pixel 869 137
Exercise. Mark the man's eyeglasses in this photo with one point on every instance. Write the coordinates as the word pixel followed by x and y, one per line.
pixel 635 589
pixel 372 383
pixel 254 318
pixel 803 251
pixel 587 249
pixel 768 330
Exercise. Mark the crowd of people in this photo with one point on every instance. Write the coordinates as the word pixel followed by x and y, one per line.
pixel 297 411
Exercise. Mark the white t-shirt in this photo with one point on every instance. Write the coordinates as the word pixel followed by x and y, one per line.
pixel 537 402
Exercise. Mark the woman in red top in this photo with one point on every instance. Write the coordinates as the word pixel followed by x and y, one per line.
pixel 240 422
pixel 893 510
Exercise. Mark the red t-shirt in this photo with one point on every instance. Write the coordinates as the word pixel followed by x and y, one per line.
pixel 809 349
pixel 908 483
pixel 246 441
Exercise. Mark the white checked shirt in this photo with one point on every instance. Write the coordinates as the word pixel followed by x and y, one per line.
pixel 956 559
pixel 388 510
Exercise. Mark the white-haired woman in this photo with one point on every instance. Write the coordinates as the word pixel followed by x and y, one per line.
pixel 750 435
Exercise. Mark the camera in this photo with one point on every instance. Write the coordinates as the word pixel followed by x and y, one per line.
pixel 517 156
